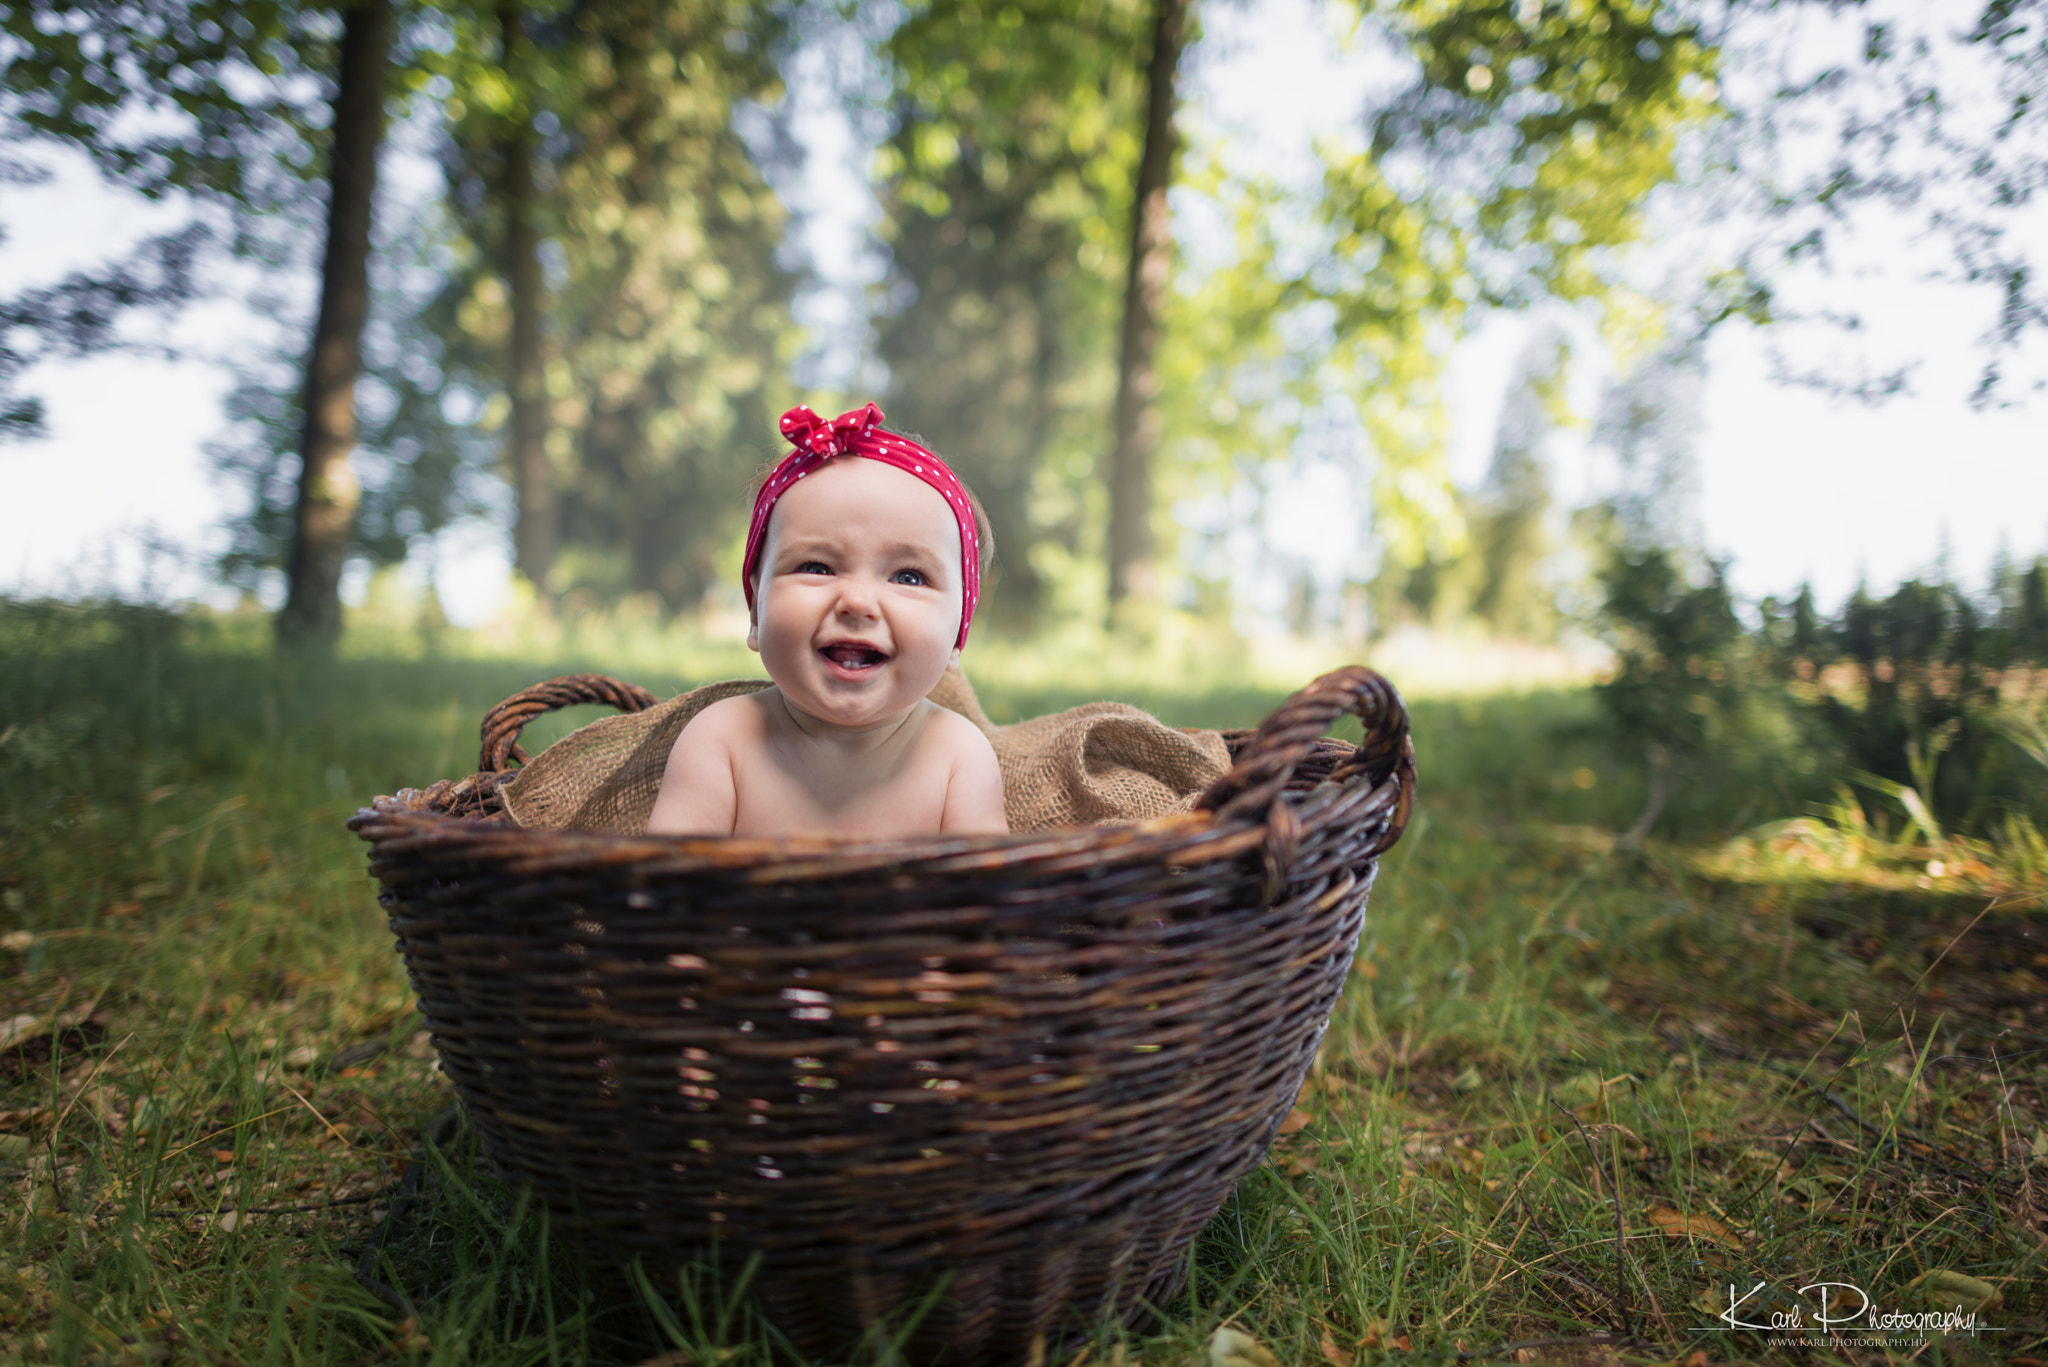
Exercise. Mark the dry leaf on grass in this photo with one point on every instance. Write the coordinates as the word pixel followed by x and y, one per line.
pixel 1230 1347
pixel 1771 1162
pixel 1948 1290
pixel 1332 1354
pixel 1296 1121
pixel 1680 1226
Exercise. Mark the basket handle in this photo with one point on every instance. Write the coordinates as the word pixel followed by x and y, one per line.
pixel 1254 785
pixel 503 723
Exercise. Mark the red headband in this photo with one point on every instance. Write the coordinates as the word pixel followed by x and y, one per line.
pixel 859 433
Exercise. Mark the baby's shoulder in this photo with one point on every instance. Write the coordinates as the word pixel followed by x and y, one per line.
pixel 730 720
pixel 954 734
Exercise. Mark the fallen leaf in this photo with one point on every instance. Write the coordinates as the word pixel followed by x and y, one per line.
pixel 1335 1356
pixel 1375 1335
pixel 1469 1080
pixel 407 1338
pixel 1766 1161
pixel 1230 1347
pixel 1954 1291
pixel 19 1027
pixel 1680 1226
pixel 1296 1121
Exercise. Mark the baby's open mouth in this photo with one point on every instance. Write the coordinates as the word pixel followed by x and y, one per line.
pixel 853 655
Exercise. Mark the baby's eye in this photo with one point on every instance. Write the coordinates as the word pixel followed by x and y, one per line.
pixel 912 577
pixel 814 567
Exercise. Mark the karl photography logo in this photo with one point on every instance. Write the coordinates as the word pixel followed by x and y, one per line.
pixel 1844 1313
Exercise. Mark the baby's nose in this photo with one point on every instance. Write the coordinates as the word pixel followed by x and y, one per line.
pixel 857 597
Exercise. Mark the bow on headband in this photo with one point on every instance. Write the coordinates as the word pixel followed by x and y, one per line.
pixel 858 432
pixel 807 431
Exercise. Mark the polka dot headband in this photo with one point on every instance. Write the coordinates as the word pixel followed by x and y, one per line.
pixel 859 433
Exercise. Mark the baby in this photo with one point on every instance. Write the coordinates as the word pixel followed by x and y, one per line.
pixel 862 568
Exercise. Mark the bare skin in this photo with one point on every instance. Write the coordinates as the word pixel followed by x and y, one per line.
pixel 756 766
pixel 857 609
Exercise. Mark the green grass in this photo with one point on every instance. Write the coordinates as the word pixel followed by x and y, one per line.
pixel 1569 1092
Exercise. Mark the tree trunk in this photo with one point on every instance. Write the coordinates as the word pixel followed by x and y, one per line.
pixel 538 531
pixel 324 522
pixel 1137 388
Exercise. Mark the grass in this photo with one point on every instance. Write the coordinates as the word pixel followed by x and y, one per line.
pixel 1574 1092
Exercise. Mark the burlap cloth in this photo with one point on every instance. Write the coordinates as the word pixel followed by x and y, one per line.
pixel 1099 762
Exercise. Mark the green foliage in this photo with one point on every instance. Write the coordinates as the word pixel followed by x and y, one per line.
pixel 668 327
pixel 1508 172
pixel 164 96
pixel 1925 689
pixel 673 317
pixel 423 458
pixel 228 104
pixel 1928 697
pixel 1006 188
pixel 667 322
pixel 1678 653
pixel 1933 118
pixel 80 315
pixel 1544 126
pixel 169 95
pixel 1502 572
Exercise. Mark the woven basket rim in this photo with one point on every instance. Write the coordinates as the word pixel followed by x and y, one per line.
pixel 417 805
pixel 801 858
pixel 1222 825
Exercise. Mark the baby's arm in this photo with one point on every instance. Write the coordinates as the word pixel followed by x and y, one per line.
pixel 698 795
pixel 974 786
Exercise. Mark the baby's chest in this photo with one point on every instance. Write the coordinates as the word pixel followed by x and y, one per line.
pixel 906 799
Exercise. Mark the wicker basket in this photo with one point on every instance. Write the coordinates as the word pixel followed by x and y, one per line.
pixel 1032 1065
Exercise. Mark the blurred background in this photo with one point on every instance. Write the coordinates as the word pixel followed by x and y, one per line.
pixel 1499 342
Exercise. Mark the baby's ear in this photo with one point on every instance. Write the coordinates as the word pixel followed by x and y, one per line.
pixel 953 660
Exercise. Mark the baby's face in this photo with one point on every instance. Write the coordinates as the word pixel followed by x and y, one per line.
pixel 858 602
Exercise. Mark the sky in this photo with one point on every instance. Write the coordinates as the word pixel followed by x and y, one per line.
pixel 1795 485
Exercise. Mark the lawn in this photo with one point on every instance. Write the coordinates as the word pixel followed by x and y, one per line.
pixel 1573 1095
